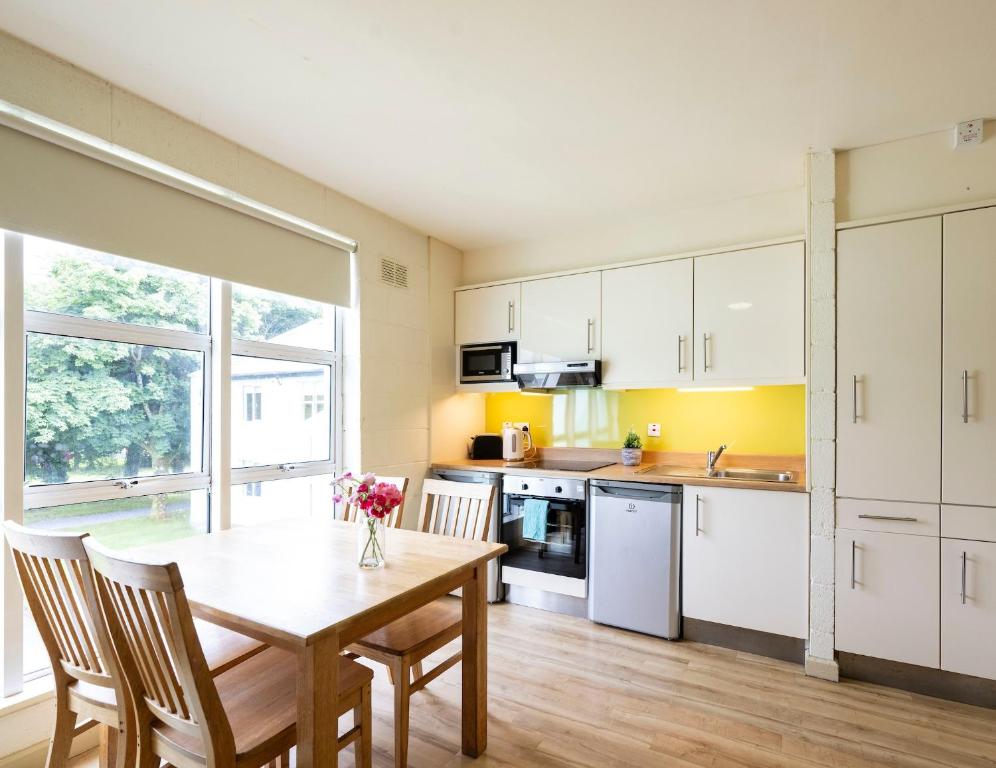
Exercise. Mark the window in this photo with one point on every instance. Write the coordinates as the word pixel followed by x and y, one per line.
pixel 282 356
pixel 117 390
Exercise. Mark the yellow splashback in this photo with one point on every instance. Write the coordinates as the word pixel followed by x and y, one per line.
pixel 766 420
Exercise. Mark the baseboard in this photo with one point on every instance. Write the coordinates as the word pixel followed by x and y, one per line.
pixel 746 640
pixel 824 669
pixel 923 680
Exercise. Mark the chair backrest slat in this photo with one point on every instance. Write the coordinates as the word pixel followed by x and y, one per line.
pixel 161 658
pixel 461 510
pixel 350 515
pixel 59 588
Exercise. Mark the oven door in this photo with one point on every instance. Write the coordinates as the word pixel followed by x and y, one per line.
pixel 481 363
pixel 555 557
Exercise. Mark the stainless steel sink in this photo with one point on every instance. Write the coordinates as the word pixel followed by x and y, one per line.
pixel 755 475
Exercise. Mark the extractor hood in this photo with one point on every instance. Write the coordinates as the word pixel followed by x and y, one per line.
pixel 578 375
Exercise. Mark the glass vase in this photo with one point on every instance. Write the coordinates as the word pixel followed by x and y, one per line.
pixel 370 541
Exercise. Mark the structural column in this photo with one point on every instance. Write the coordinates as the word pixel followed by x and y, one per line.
pixel 821 247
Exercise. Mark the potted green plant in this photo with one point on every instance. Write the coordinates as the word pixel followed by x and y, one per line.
pixel 632 450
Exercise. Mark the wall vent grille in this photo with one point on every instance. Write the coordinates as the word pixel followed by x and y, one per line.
pixel 393 273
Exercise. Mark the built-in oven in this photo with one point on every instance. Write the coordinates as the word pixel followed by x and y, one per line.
pixel 544 523
pixel 487 363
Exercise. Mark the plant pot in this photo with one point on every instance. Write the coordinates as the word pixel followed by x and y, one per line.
pixel 631 457
pixel 370 545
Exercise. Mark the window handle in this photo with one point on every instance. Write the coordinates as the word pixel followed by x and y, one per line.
pixel 285 467
pixel 125 483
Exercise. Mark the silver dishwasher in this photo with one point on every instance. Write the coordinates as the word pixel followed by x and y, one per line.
pixel 635 539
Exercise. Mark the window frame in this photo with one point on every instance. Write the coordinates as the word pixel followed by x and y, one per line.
pixel 212 476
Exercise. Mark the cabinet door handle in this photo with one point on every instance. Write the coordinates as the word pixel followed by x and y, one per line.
pixel 591 335
pixel 964 574
pixel 964 396
pixel 681 353
pixel 706 338
pixel 511 316
pixel 698 503
pixel 854 398
pixel 894 518
pixel 854 547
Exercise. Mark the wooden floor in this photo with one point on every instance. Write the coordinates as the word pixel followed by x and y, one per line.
pixel 566 692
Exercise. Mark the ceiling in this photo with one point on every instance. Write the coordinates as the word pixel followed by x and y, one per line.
pixel 483 122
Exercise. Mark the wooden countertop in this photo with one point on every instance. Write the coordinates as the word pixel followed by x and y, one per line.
pixel 617 471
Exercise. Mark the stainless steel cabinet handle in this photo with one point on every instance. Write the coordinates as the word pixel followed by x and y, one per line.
pixel 591 342
pixel 706 338
pixel 854 399
pixel 854 547
pixel 964 573
pixel 681 353
pixel 889 517
pixel 964 396
pixel 511 316
pixel 698 503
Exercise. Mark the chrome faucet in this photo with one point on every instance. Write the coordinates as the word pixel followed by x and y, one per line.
pixel 712 457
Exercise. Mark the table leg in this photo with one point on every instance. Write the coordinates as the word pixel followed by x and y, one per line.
pixel 317 693
pixel 475 663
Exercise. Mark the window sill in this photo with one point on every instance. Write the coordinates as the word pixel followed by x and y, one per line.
pixel 35 691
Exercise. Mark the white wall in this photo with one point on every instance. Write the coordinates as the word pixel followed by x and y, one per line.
pixel 730 222
pixel 915 174
pixel 455 416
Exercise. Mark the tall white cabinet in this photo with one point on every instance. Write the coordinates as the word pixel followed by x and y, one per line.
pixel 916 442
pixel 969 372
pixel 888 361
pixel 750 314
pixel 647 324
pixel 561 318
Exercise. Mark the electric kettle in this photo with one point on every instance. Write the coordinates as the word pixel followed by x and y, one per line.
pixel 515 443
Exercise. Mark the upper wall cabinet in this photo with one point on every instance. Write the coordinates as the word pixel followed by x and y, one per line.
pixel 750 321
pixel 969 377
pixel 488 314
pixel 561 318
pixel 647 324
pixel 888 361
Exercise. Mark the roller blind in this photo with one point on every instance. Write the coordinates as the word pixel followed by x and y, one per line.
pixel 54 192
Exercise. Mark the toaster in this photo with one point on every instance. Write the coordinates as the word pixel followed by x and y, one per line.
pixel 486 446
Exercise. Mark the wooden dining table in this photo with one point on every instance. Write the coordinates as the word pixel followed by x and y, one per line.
pixel 295 584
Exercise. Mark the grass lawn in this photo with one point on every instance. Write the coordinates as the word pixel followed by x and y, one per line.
pixel 135 532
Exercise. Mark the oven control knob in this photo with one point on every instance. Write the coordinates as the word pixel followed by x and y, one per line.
pixel 525 486
pixel 558 489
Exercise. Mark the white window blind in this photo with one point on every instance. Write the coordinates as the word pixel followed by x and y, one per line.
pixel 63 194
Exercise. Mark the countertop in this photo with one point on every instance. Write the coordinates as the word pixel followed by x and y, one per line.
pixel 632 474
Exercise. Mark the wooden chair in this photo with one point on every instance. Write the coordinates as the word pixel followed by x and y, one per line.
pixel 462 510
pixel 58 585
pixel 245 717
pixel 349 514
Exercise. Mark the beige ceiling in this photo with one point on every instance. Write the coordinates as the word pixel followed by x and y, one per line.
pixel 486 122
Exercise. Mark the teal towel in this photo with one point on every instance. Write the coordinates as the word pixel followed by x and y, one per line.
pixel 534 520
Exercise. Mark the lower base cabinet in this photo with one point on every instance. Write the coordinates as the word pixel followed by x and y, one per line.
pixel 968 607
pixel 887 593
pixel 745 558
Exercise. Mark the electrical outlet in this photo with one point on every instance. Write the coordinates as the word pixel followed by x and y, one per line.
pixel 653 430
pixel 523 425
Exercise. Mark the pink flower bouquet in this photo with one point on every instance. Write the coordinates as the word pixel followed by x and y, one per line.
pixel 376 501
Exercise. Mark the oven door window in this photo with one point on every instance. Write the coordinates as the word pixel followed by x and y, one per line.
pixel 560 549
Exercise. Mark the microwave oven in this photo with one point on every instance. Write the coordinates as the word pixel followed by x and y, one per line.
pixel 487 363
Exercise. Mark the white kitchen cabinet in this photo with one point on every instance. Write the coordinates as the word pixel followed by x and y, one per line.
pixel 968 607
pixel 888 361
pixel 647 325
pixel 561 318
pixel 745 558
pixel 887 594
pixel 969 372
pixel 750 315
pixel 488 314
